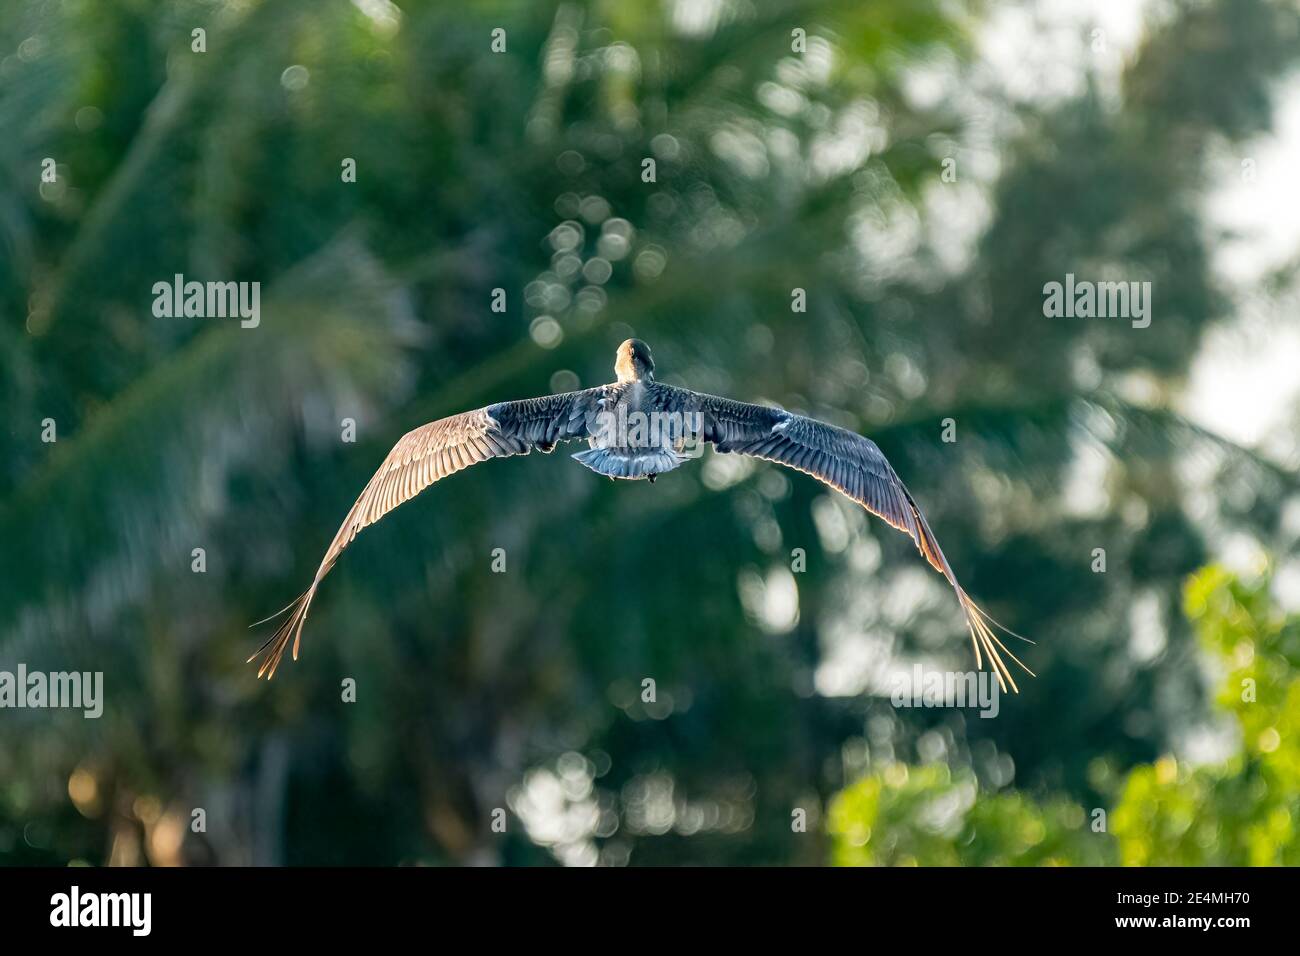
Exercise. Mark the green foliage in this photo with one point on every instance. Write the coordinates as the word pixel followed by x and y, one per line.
pixel 929 816
pixel 1241 811
pixel 1244 811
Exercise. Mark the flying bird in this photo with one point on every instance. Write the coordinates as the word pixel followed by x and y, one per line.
pixel 637 428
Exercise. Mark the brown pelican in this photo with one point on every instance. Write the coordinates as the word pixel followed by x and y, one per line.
pixel 639 428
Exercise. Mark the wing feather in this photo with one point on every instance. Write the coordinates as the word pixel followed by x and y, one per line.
pixel 854 466
pixel 428 454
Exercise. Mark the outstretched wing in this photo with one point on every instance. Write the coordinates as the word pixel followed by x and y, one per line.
pixel 432 452
pixel 853 465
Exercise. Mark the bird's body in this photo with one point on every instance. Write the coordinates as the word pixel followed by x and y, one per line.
pixel 637 428
pixel 627 434
pixel 639 431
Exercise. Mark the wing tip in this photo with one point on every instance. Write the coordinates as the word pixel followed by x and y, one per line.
pixel 980 623
pixel 981 626
pixel 269 655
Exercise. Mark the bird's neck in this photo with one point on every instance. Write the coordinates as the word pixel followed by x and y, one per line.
pixel 630 372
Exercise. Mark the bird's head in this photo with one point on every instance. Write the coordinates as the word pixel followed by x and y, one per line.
pixel 632 362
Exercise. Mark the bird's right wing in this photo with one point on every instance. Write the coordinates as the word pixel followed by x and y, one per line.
pixel 432 452
pixel 855 466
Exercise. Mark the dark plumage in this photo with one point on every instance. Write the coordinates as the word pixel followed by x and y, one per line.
pixel 611 418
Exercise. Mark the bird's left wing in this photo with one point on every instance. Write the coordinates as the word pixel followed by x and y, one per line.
pixel 853 465
pixel 432 452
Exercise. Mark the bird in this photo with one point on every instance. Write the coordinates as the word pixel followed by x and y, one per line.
pixel 637 429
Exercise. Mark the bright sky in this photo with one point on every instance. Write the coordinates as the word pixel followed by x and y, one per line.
pixel 1245 384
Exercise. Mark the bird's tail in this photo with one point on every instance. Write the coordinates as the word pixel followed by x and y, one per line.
pixel 269 654
pixel 616 463
pixel 982 635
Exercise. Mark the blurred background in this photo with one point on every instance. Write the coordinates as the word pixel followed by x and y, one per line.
pixel 920 168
